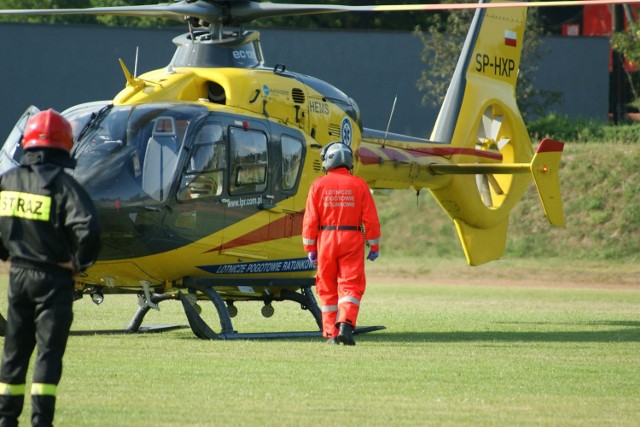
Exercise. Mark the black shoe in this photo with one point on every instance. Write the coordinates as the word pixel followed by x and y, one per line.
pixel 345 336
pixel 333 340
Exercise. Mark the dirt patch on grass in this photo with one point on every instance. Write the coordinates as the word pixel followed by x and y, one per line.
pixel 526 273
pixel 533 283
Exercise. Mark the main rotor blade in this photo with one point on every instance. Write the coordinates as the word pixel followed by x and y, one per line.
pixel 177 11
pixel 245 11
pixel 249 10
pixel 457 6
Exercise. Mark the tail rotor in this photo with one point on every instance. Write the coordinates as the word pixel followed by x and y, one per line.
pixel 494 134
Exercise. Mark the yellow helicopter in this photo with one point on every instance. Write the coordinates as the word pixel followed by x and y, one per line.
pixel 200 170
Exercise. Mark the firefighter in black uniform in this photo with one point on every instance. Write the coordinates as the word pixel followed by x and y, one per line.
pixel 49 229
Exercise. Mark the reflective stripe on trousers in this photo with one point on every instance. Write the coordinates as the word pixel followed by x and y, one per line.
pixel 328 308
pixel 350 299
pixel 37 389
pixel 40 389
pixel 12 389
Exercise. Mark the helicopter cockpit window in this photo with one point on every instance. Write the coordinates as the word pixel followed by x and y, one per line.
pixel 248 153
pixel 129 155
pixel 291 159
pixel 107 136
pixel 80 115
pixel 204 175
pixel 12 151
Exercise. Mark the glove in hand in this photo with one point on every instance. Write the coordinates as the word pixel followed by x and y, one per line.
pixel 372 256
pixel 313 257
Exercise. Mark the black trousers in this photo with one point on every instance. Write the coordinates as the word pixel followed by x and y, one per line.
pixel 40 313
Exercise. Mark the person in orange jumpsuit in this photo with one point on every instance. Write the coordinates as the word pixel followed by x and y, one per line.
pixel 338 206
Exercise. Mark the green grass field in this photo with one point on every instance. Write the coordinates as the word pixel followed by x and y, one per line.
pixel 481 354
pixel 547 336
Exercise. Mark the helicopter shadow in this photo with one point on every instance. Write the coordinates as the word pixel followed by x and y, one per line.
pixel 629 333
pixel 151 329
pixel 627 323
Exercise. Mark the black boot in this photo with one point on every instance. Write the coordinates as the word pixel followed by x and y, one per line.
pixel 42 410
pixel 333 340
pixel 345 336
pixel 10 410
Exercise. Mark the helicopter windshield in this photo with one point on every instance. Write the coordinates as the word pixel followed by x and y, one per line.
pixel 80 115
pixel 130 154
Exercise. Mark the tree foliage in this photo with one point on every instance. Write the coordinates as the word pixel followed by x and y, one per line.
pixel 79 19
pixel 46 19
pixel 443 41
pixel 350 20
pixel 126 21
pixel 383 20
pixel 627 42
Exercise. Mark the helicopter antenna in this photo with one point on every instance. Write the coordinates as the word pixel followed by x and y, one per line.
pixel 135 65
pixel 386 132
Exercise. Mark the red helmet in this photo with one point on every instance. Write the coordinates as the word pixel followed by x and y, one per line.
pixel 48 129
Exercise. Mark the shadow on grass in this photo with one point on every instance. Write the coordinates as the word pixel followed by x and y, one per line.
pixel 630 333
pixel 155 329
pixel 617 323
pixel 628 323
pixel 615 335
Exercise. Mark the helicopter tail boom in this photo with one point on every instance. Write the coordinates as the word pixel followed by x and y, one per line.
pixel 482 160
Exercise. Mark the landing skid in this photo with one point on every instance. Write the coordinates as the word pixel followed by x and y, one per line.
pixel 203 331
pixel 143 309
pixel 285 335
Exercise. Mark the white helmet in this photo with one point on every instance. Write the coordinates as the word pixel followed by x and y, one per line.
pixel 336 155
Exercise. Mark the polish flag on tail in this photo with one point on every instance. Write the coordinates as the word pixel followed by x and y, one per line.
pixel 510 38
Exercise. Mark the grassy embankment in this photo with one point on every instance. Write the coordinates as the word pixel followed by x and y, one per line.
pixel 600 186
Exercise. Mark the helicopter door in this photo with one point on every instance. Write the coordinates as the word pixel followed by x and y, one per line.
pixel 200 213
pixel 290 154
pixel 284 206
pixel 246 224
pixel 221 189
pixel 11 152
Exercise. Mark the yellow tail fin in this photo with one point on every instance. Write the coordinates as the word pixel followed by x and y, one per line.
pixel 544 167
pixel 482 245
